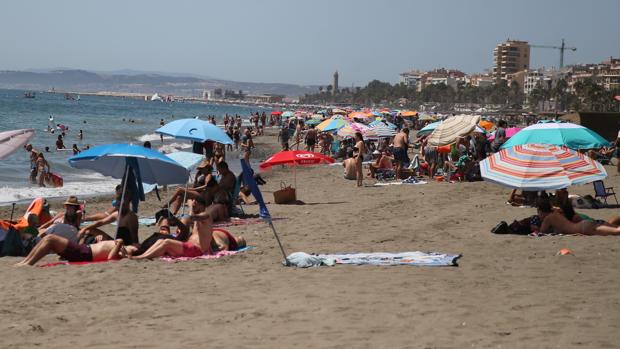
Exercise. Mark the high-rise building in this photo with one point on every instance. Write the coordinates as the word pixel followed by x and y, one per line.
pixel 509 58
pixel 335 84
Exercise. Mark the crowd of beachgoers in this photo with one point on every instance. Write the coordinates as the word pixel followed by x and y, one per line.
pixel 382 146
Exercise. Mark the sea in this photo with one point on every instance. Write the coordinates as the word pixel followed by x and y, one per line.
pixel 103 120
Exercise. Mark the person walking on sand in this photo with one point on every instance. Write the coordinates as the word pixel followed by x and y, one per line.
pixel 358 155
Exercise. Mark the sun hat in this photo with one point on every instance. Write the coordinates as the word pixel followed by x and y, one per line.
pixel 72 200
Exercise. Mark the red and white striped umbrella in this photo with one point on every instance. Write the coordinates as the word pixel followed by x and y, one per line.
pixel 540 167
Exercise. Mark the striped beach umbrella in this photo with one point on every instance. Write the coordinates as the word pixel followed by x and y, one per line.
pixel 332 124
pixel 426 117
pixel 351 129
pixel 380 130
pixel 567 134
pixel 537 167
pixel 452 128
pixel 381 121
pixel 288 114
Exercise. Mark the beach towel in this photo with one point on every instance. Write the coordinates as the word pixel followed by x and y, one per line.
pixel 408 181
pixel 417 258
pixel 217 255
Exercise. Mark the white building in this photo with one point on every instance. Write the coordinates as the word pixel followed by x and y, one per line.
pixel 542 78
pixel 412 79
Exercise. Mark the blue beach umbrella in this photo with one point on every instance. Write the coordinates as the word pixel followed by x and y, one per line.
pixel 135 164
pixel 288 114
pixel 567 134
pixel 313 122
pixel 384 122
pixel 195 130
pixel 428 129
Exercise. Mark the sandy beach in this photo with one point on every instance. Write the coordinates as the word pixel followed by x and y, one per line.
pixel 508 291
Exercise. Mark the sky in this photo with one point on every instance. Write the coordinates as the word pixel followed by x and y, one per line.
pixel 300 42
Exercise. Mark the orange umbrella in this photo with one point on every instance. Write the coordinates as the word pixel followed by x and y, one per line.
pixel 487 125
pixel 408 113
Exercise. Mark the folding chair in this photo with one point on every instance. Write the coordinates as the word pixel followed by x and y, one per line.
pixel 600 191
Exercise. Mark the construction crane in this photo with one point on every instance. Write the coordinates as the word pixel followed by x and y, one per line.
pixel 562 48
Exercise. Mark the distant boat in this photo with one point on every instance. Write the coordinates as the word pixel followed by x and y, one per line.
pixel 69 97
pixel 29 95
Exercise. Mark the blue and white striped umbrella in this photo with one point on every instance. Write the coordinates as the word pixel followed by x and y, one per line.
pixel 384 122
pixel 380 131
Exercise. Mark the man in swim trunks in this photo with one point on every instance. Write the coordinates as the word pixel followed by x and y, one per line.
pixel 34 154
pixel 401 145
pixel 311 138
pixel 198 243
pixel 74 252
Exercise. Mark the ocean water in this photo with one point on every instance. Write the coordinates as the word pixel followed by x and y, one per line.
pixel 101 120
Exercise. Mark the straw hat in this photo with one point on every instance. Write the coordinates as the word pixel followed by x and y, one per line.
pixel 72 200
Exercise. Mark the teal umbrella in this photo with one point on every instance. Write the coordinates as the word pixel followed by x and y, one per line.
pixel 428 129
pixel 313 122
pixel 570 135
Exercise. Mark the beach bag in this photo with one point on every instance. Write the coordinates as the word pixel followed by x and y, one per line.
pixel 285 195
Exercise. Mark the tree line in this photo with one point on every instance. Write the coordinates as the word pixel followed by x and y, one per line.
pixel 588 96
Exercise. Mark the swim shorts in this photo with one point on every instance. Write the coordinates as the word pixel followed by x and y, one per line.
pixel 430 155
pixel 400 155
pixel 77 253
pixel 311 142
pixel 191 250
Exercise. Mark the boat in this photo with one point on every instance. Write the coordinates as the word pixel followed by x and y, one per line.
pixel 29 95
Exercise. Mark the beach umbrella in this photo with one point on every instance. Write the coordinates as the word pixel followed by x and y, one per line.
pixel 487 125
pixel 313 122
pixel 380 130
pixel 339 111
pixel 10 141
pixel 360 115
pixel 426 117
pixel 332 124
pixel 617 98
pixel 428 129
pixel 453 128
pixel 567 134
pixel 408 113
pixel 288 114
pixel 382 121
pixel 510 131
pixel 276 112
pixel 535 167
pixel 296 158
pixel 195 130
pixel 351 129
pixel 317 116
pixel 133 163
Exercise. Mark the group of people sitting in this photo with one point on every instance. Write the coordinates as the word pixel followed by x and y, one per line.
pixel 556 215
pixel 65 235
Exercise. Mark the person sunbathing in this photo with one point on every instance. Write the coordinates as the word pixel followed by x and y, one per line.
pixel 127 225
pixel 72 215
pixel 225 241
pixel 74 252
pixel 383 162
pixel 203 182
pixel 556 223
pixel 198 243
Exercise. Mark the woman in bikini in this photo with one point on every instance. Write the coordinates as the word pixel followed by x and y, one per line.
pixel 358 155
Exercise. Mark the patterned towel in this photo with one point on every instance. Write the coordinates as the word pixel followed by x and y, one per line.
pixel 430 259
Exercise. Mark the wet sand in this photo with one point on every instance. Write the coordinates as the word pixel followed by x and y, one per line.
pixel 508 291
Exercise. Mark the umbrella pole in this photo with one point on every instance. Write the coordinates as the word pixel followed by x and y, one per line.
pixel 184 197
pixel 286 262
pixel 120 207
pixel 12 211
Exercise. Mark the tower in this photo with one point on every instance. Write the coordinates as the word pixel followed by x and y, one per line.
pixel 335 83
pixel 509 58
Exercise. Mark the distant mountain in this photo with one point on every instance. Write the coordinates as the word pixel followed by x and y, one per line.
pixel 137 82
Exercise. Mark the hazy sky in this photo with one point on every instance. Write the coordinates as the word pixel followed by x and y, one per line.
pixel 300 42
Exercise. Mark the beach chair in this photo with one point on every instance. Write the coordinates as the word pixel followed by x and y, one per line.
pixel 600 191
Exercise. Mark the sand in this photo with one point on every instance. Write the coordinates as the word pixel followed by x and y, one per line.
pixel 508 291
